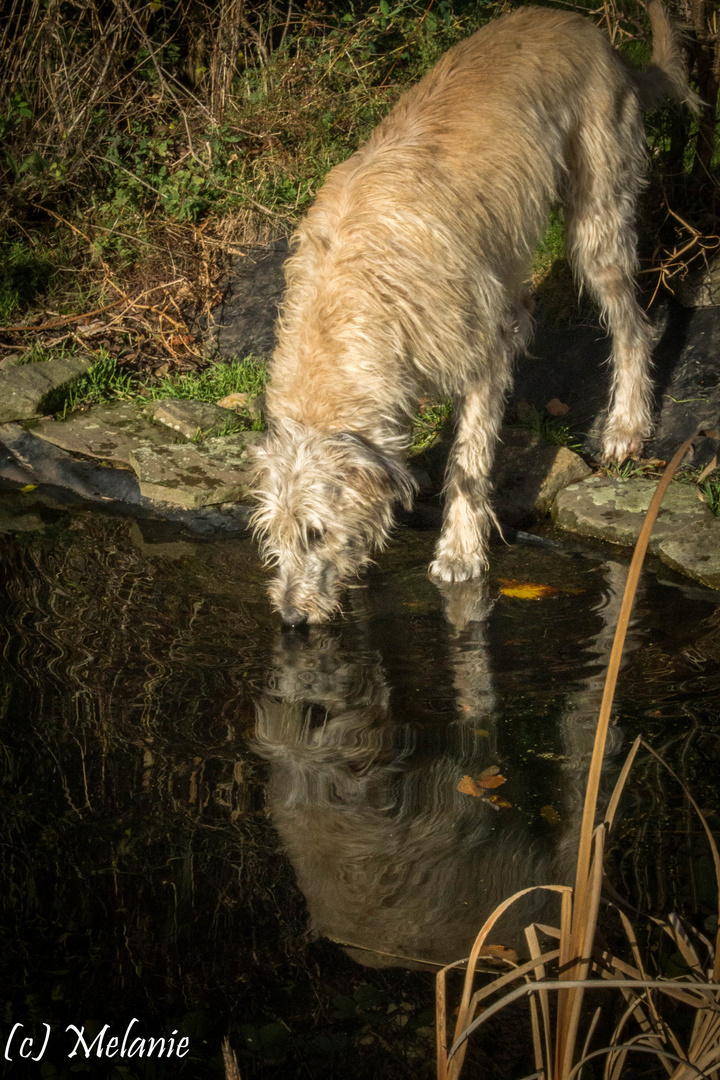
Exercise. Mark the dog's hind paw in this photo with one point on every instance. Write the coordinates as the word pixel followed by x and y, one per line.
pixel 458 567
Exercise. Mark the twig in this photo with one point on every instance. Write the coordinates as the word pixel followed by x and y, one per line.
pixel 58 322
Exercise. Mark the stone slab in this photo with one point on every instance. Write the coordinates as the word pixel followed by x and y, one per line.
pixel 528 475
pixel 190 418
pixel 614 510
pixel 194 476
pixel 71 481
pixel 695 551
pixel 109 432
pixel 24 387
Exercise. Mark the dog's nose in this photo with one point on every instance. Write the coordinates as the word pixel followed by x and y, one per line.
pixel 292 617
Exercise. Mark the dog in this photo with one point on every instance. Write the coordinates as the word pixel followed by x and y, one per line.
pixel 408 277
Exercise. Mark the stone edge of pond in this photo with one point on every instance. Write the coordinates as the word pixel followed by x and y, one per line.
pixel 204 485
pixel 686 535
pixel 30 462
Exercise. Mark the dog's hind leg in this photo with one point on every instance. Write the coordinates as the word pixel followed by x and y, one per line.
pixel 461 552
pixel 605 177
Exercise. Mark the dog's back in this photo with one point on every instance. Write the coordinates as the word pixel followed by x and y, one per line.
pixel 455 183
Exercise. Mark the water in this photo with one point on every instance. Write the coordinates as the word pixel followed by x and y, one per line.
pixel 217 826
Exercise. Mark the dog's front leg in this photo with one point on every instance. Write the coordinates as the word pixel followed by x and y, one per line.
pixel 461 552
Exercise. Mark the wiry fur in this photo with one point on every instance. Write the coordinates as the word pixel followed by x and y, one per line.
pixel 407 279
pixel 315 555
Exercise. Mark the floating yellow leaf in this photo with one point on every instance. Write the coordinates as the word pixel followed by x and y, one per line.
pixel 526 590
pixel 28 487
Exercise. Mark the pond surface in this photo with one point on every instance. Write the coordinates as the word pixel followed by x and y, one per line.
pixel 216 826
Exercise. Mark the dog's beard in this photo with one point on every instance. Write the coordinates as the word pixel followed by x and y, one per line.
pixel 311 590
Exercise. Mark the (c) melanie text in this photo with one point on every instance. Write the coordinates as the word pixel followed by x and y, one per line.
pixel 103 1045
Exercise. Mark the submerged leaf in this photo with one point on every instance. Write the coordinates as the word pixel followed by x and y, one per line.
pixel 491 781
pixel 550 814
pixel 467 786
pixel 498 802
pixel 489 778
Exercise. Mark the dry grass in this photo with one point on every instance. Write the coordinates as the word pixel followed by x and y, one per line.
pixel 146 145
pixel 556 980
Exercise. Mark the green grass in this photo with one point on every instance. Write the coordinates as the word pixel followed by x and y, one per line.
pixel 630 470
pixel 552 430
pixel 248 376
pixel 429 424
pixel 37 353
pixel 710 488
pixel 107 381
pixel 550 248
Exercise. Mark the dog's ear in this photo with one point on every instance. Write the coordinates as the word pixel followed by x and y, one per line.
pixel 372 468
pixel 257 455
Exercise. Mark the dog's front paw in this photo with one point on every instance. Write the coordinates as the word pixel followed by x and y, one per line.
pixel 459 567
pixel 621 443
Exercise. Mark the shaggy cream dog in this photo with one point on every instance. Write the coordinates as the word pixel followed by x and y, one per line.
pixel 408 275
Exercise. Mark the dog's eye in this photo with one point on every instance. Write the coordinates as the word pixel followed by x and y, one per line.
pixel 315 537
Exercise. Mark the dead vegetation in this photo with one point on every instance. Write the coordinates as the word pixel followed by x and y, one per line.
pixel 559 981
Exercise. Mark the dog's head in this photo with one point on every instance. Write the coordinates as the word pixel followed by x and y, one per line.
pixel 325 504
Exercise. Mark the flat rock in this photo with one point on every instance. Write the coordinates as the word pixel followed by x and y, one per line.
pixel 253 404
pixel 70 481
pixel 190 418
pixel 110 432
pixel 194 476
pixel 695 551
pixel 24 387
pixel 614 510
pixel 528 475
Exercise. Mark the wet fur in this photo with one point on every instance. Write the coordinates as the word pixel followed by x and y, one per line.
pixel 408 275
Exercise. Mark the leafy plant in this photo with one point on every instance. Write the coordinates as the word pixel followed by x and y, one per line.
pixel 430 421
pixel 710 490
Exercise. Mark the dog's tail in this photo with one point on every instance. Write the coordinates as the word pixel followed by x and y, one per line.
pixel 665 76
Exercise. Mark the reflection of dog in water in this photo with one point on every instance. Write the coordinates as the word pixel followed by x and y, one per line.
pixel 390 856
pixel 408 278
